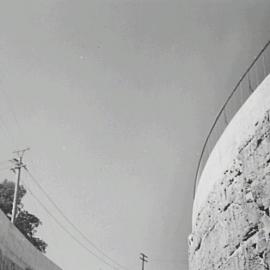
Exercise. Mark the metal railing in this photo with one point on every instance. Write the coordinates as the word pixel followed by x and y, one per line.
pixel 254 75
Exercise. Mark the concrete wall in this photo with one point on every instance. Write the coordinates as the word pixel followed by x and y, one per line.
pixel 16 253
pixel 231 216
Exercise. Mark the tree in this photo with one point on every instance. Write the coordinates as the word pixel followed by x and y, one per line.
pixel 26 222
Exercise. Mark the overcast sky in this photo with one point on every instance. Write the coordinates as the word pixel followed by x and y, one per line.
pixel 115 99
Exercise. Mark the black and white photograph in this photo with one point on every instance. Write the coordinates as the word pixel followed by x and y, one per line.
pixel 135 135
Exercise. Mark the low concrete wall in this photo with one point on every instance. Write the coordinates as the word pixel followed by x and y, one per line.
pixel 16 253
pixel 231 214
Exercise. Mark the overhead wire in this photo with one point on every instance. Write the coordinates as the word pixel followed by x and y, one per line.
pixel 54 204
pixel 72 224
pixel 66 230
pixel 52 232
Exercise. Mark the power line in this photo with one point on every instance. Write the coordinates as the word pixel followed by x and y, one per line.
pixel 72 224
pixel 50 199
pixel 52 231
pixel 67 231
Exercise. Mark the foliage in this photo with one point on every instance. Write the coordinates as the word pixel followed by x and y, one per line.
pixel 6 197
pixel 26 222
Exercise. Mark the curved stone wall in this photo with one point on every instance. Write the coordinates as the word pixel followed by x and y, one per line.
pixel 16 253
pixel 231 216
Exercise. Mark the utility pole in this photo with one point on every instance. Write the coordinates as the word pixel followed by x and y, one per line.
pixel 18 165
pixel 143 259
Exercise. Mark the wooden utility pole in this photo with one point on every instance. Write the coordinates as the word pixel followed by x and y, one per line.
pixel 143 259
pixel 18 165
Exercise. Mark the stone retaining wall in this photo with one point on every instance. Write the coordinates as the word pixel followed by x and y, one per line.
pixel 232 229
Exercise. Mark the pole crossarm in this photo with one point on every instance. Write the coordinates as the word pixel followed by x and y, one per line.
pixel 143 258
pixel 18 165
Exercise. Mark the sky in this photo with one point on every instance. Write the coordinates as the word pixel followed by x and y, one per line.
pixel 115 99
